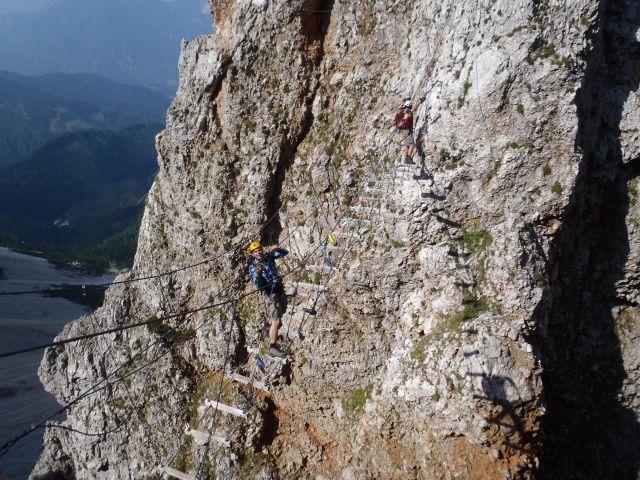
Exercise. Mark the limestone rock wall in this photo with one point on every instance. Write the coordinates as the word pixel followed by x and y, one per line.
pixel 454 339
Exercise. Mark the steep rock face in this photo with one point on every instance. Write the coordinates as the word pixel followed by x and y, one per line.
pixel 588 320
pixel 458 315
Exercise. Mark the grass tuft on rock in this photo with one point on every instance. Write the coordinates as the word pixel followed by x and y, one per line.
pixel 472 307
pixel 353 405
pixel 476 241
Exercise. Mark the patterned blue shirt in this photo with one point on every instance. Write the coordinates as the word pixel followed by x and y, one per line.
pixel 269 277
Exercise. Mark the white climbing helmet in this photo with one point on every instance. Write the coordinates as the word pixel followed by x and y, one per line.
pixel 407 103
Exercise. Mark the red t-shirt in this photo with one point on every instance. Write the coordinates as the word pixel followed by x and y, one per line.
pixel 404 121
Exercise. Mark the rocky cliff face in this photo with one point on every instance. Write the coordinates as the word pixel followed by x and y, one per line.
pixel 481 324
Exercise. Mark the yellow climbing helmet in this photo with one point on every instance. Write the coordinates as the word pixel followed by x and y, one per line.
pixel 332 239
pixel 254 246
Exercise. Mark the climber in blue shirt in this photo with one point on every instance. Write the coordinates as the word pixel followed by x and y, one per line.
pixel 264 273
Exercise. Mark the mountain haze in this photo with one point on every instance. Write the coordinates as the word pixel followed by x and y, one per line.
pixel 16 6
pixel 79 190
pixel 130 41
pixel 34 110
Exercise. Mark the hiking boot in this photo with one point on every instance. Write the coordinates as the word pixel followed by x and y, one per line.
pixel 276 352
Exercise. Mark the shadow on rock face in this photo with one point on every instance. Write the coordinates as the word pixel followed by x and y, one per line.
pixel 588 430
pixel 505 414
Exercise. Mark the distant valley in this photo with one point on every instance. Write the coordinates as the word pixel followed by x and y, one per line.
pixel 77 156
pixel 37 109
pixel 77 150
pixel 81 196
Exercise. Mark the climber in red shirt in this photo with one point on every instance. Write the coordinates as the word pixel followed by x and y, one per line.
pixel 403 123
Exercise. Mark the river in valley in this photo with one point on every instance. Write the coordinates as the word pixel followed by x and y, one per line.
pixel 28 320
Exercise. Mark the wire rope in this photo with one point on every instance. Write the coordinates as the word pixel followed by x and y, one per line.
pixel 221 388
pixel 96 388
pixel 213 424
pixel 142 278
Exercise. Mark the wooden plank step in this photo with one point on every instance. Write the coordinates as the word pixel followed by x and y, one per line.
pixel 204 437
pixel 313 286
pixel 225 408
pixel 249 381
pixel 178 474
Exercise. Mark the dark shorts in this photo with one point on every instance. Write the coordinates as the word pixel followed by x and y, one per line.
pixel 276 305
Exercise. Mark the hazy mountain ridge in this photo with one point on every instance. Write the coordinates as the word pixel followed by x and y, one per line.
pixel 132 41
pixel 34 110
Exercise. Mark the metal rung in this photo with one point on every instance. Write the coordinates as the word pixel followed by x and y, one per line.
pixel 249 381
pixel 275 359
pixel 319 249
pixel 313 286
pixel 204 437
pixel 355 220
pixel 178 474
pixel 225 408
pixel 368 198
